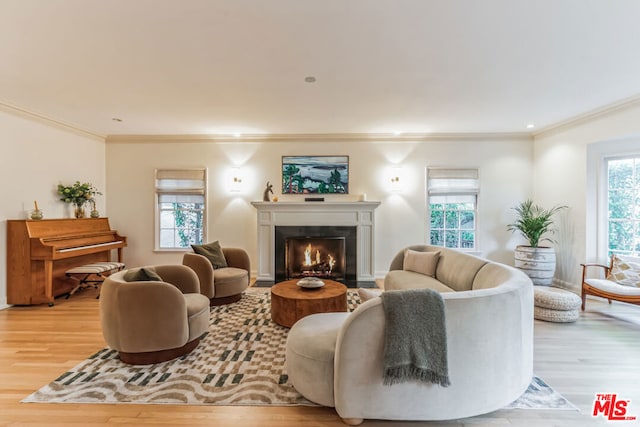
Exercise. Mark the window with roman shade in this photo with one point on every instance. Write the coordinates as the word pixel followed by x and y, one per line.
pixel 180 208
pixel 452 199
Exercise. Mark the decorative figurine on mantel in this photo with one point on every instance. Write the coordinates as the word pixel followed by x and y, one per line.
pixel 265 195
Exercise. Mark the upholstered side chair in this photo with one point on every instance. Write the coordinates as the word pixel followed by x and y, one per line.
pixel 151 321
pixel 605 287
pixel 222 285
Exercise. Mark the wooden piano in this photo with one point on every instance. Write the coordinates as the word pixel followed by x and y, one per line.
pixel 40 251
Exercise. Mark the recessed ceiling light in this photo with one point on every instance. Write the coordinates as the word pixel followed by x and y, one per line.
pixel 397 133
pixel 310 79
pixel 530 126
pixel 237 134
pixel 115 119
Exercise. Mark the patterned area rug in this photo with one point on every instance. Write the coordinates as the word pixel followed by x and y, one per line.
pixel 239 362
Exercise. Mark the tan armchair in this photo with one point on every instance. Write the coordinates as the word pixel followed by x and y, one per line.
pixel 223 285
pixel 153 321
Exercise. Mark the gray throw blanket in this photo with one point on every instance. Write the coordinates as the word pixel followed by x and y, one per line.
pixel 415 347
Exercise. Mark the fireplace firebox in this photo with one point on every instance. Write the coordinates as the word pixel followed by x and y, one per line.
pixel 322 257
pixel 316 251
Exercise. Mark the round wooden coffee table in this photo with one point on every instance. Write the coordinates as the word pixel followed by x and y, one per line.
pixel 290 302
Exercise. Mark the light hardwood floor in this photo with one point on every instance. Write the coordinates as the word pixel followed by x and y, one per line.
pixel 600 353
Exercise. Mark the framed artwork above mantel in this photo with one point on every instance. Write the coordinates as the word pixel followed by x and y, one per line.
pixel 315 174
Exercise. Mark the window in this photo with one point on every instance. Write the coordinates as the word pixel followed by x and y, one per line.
pixel 180 212
pixel 623 200
pixel 452 201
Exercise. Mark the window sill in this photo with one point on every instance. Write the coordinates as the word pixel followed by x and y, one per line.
pixel 172 250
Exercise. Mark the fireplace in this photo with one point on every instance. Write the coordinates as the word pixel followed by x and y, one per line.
pixel 359 217
pixel 316 251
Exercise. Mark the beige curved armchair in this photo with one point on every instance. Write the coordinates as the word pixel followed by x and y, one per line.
pixel 222 285
pixel 153 321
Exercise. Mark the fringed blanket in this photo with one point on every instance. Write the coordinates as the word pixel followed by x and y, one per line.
pixel 415 347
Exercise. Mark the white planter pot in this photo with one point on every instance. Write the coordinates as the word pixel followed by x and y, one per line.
pixel 539 263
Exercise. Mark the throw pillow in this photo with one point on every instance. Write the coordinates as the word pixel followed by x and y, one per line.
pixel 367 294
pixel 625 271
pixel 213 252
pixel 143 274
pixel 421 262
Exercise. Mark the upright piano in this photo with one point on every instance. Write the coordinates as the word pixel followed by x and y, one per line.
pixel 40 251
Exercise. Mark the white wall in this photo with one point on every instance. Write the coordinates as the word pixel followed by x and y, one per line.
pixel 564 174
pixel 505 174
pixel 34 158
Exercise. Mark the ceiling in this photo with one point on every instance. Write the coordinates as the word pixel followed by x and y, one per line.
pixel 177 67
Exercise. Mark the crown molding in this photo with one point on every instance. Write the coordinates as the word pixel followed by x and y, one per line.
pixel 588 116
pixel 317 137
pixel 41 118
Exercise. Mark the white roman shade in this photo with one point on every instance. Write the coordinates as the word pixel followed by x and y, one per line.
pixel 452 181
pixel 177 181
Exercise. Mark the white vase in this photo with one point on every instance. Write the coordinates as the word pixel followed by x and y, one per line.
pixel 539 263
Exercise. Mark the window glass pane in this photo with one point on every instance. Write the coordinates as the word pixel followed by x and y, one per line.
pixel 188 236
pixel 451 218
pixel 437 237
pixel 452 239
pixel 437 219
pixel 621 203
pixel 167 219
pixel 621 173
pixel 621 237
pixel 467 240
pixel 467 220
pixel 166 238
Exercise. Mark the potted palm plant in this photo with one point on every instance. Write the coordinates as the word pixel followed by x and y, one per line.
pixel 535 224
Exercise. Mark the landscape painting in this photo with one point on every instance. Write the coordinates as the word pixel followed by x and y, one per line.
pixel 315 174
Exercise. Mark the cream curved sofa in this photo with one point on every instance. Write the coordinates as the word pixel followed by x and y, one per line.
pixel 336 359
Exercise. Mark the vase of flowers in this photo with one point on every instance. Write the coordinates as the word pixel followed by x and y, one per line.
pixel 78 194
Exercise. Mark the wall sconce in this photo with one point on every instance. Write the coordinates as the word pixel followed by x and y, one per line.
pixel 396 175
pixel 235 178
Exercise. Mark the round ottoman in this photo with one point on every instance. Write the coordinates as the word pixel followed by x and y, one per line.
pixel 311 346
pixel 555 305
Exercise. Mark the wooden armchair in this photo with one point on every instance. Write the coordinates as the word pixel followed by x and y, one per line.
pixel 608 289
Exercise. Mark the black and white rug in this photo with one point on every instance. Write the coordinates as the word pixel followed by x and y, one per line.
pixel 239 362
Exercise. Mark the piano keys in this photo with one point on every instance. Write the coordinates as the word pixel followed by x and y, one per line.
pixel 40 251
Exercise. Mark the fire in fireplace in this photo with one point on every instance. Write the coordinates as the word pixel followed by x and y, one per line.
pixel 291 242
pixel 322 257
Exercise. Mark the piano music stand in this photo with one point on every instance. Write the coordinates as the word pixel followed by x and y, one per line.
pixel 92 274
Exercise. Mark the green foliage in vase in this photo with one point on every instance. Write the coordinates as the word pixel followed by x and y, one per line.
pixel 533 222
pixel 78 193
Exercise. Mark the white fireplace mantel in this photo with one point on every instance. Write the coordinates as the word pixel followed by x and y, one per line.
pixel 359 214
